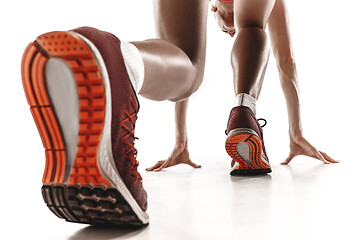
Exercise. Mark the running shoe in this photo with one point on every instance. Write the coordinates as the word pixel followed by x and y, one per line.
pixel 85 110
pixel 245 144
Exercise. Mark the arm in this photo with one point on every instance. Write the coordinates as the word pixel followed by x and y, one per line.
pixel 180 153
pixel 282 49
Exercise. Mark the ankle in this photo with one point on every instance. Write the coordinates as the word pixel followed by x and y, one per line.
pixel 244 99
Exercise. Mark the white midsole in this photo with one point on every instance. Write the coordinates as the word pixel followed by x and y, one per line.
pixel 105 157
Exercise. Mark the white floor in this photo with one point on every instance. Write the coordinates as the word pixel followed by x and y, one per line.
pixel 306 200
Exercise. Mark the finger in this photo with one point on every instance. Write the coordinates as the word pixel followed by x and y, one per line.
pixel 158 164
pixel 315 153
pixel 328 158
pixel 194 165
pixel 288 159
pixel 164 165
pixel 320 157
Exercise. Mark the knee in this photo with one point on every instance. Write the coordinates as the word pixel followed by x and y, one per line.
pixel 194 82
pixel 241 24
pixel 199 77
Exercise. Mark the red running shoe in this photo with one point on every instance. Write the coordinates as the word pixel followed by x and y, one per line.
pixel 245 144
pixel 85 110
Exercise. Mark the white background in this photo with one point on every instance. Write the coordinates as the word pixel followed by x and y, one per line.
pixel 326 47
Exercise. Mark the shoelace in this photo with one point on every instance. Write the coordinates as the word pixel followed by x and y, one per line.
pixel 259 119
pixel 133 162
pixel 262 119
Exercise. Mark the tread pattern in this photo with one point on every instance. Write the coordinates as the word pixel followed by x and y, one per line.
pixel 89 204
pixel 91 100
pixel 257 166
pixel 85 196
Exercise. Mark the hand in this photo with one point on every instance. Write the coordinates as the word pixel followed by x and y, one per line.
pixel 179 155
pixel 300 146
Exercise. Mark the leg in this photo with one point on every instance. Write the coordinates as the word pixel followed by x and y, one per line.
pixel 84 106
pixel 250 52
pixel 174 64
pixel 249 58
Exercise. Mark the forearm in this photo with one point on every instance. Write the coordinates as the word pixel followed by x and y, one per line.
pixel 180 121
pixel 180 153
pixel 290 87
pixel 279 30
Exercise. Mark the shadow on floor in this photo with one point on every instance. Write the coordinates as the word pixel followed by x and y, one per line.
pixel 106 232
pixel 262 177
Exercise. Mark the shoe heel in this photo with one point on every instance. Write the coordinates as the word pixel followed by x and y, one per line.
pixel 74 189
pixel 91 97
pixel 32 68
pixel 244 147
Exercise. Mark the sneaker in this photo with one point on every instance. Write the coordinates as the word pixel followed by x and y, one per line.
pixel 85 110
pixel 244 143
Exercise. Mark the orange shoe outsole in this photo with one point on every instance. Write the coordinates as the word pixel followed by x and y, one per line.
pixel 254 164
pixel 76 193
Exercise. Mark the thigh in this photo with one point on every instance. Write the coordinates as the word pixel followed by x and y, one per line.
pixel 183 23
pixel 252 13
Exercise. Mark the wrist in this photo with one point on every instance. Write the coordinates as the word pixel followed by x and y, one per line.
pixel 295 133
pixel 182 140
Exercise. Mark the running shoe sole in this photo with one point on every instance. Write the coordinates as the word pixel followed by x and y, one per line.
pixel 244 146
pixel 68 90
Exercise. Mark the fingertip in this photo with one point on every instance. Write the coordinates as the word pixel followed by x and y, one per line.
pixel 287 161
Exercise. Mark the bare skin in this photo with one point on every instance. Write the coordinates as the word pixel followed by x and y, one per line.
pixel 245 20
pixel 224 15
pixel 174 64
pixel 279 32
pixel 180 153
